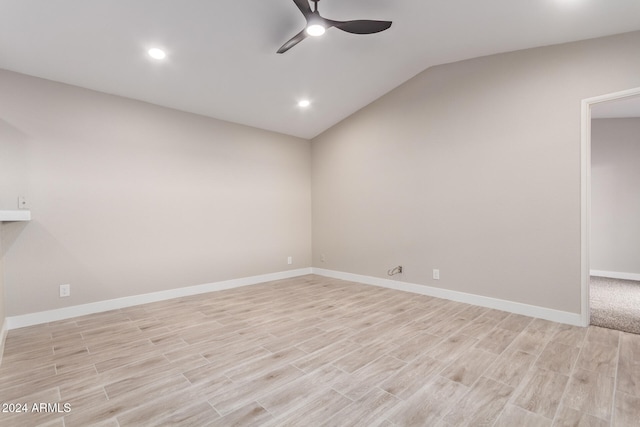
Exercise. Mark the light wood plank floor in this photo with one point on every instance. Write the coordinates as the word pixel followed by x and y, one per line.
pixel 313 351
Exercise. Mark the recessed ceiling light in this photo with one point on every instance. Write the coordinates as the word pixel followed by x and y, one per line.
pixel 304 103
pixel 157 53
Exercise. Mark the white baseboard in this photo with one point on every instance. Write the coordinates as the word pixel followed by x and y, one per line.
pixel 615 275
pixel 3 337
pixel 499 304
pixel 14 322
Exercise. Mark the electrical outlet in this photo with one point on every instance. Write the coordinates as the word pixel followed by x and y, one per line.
pixel 322 258
pixel 65 290
pixel 289 260
pixel 436 274
pixel 22 203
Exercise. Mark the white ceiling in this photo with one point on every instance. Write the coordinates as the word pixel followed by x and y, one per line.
pixel 221 53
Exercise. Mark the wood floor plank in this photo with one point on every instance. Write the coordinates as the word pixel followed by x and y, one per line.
pixel 558 357
pixel 467 368
pixel 249 415
pixel 629 365
pixel 568 417
pixel 542 392
pixel 429 404
pixel 231 398
pixel 535 337
pixel 360 357
pixel 27 415
pixel 599 358
pixel 415 345
pixel 312 350
pixel 626 411
pixel 515 322
pixel 479 327
pixel 320 341
pixel 516 416
pixel 451 348
pixel 199 414
pixel 363 380
pixel 446 326
pixel 511 367
pixel 365 411
pixel 570 335
pixel 289 396
pixel 261 366
pixel 134 385
pixel 316 410
pixel 496 315
pixel 62 381
pixel 603 335
pixel 167 406
pixel 481 405
pixel 408 380
pixel 591 393
pixel 326 355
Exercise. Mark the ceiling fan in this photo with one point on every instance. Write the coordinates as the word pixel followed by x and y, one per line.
pixel 317 25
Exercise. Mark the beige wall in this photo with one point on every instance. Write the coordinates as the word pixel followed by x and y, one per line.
pixel 472 168
pixel 12 184
pixel 129 198
pixel 2 303
pixel 615 195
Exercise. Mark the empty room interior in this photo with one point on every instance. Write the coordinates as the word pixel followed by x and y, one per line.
pixel 212 214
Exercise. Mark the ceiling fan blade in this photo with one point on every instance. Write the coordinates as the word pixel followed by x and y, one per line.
pixel 293 41
pixel 361 26
pixel 304 7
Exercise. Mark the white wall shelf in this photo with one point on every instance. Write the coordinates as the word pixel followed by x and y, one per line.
pixel 15 215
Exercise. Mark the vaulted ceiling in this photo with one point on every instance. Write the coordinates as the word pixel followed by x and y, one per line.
pixel 221 54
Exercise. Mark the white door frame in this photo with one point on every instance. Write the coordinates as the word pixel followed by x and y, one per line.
pixel 585 189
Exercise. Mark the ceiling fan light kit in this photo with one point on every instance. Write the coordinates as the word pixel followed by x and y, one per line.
pixel 315 30
pixel 317 25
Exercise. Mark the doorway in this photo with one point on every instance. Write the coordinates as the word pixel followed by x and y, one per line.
pixel 619 104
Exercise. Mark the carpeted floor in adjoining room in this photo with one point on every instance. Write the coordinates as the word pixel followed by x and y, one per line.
pixel 615 304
